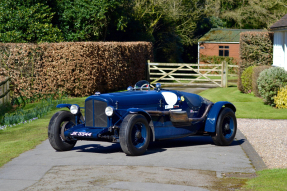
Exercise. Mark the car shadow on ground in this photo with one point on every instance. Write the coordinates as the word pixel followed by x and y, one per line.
pixel 98 148
pixel 188 141
pixel 154 147
pixel 113 148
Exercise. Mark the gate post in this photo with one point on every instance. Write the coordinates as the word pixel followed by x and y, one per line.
pixel 224 74
pixel 148 71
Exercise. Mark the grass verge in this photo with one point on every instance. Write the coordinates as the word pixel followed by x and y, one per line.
pixel 247 105
pixel 274 179
pixel 21 138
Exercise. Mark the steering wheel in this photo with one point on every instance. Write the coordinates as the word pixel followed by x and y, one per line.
pixel 147 86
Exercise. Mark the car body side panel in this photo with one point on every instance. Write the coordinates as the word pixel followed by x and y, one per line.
pixel 164 129
pixel 212 116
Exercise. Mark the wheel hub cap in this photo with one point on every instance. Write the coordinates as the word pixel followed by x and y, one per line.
pixel 138 134
pixel 226 127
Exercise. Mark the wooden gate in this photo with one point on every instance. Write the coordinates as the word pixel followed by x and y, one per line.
pixel 189 74
pixel 4 91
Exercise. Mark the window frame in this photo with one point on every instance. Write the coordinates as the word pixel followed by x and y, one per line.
pixel 223 50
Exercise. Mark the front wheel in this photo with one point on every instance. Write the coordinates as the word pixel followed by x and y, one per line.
pixel 59 123
pixel 134 134
pixel 226 127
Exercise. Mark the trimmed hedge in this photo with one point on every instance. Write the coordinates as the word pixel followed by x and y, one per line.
pixel 256 49
pixel 256 71
pixel 75 68
pixel 269 82
pixel 246 79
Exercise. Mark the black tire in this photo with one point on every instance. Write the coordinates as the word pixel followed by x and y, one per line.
pixel 226 127
pixel 57 123
pixel 134 134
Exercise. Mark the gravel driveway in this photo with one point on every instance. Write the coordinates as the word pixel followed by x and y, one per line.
pixel 269 138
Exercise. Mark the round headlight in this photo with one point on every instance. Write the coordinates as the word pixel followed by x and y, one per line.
pixel 109 111
pixel 74 109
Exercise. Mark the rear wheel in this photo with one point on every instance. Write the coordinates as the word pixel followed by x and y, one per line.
pixel 226 127
pixel 134 134
pixel 59 123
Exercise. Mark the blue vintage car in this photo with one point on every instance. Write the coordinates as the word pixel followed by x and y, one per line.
pixel 140 115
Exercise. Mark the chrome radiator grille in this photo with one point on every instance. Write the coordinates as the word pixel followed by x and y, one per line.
pixel 95 113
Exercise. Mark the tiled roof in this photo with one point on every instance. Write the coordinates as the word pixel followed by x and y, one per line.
pixel 281 23
pixel 224 35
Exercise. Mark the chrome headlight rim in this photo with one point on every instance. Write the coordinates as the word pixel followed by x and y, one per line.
pixel 74 109
pixel 109 111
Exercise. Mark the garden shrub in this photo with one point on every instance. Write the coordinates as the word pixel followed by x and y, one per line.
pixel 280 99
pixel 256 49
pixel 269 82
pixel 246 79
pixel 256 71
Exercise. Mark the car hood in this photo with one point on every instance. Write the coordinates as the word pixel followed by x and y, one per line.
pixel 130 98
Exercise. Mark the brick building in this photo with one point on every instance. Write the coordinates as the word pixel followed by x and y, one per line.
pixel 221 42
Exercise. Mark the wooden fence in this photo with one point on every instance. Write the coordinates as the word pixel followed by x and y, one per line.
pixel 190 74
pixel 4 91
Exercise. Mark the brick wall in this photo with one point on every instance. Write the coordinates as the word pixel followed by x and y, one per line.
pixel 212 49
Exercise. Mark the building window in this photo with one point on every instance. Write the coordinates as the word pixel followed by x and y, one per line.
pixel 223 50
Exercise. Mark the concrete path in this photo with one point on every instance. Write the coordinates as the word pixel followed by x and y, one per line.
pixel 191 163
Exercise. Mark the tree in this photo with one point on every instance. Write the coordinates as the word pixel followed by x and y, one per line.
pixel 169 24
pixel 256 14
pixel 248 14
pixel 25 21
pixel 183 15
pixel 85 20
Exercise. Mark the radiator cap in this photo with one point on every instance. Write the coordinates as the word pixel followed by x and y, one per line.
pixel 98 93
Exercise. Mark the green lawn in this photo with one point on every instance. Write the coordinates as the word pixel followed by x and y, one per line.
pixel 267 180
pixel 21 138
pixel 247 105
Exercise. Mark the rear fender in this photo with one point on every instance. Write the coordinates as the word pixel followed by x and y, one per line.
pixel 147 116
pixel 211 120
